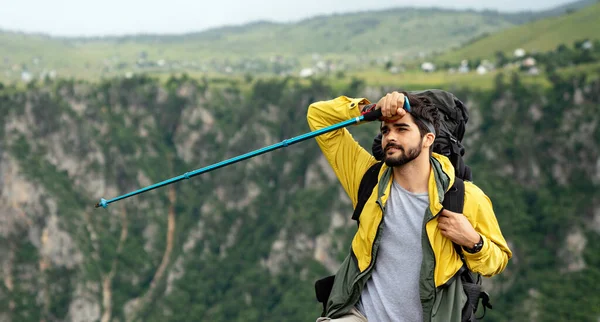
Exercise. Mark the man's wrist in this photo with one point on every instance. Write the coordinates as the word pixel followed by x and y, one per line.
pixel 476 238
pixel 474 247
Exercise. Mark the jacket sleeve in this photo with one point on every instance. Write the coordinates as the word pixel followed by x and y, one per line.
pixel 494 256
pixel 347 158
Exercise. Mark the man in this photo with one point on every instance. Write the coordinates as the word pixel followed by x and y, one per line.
pixel 402 259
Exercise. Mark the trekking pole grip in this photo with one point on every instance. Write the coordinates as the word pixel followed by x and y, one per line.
pixel 372 114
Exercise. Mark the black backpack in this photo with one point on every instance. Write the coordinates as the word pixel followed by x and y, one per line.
pixel 448 143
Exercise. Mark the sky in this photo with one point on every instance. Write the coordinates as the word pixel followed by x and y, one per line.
pixel 121 17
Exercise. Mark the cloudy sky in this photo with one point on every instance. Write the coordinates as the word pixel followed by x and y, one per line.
pixel 118 17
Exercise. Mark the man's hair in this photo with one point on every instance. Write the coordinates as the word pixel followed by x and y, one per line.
pixel 421 109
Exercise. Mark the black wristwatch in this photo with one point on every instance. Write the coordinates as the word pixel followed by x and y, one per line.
pixel 476 248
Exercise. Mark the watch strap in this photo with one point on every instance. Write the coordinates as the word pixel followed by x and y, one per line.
pixel 476 248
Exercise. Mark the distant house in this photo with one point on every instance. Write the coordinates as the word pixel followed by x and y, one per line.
pixel 534 71
pixel 26 76
pixel 464 67
pixel 428 67
pixel 306 72
pixel 485 66
pixel 587 45
pixel 519 52
pixel 321 65
pixel 529 62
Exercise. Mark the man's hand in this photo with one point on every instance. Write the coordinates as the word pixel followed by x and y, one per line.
pixel 392 106
pixel 457 228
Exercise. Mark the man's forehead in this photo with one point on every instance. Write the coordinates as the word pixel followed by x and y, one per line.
pixel 404 120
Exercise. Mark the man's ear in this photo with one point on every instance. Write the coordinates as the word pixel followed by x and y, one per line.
pixel 428 139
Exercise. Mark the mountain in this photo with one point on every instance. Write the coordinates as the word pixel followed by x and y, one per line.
pixel 538 36
pixel 566 8
pixel 347 40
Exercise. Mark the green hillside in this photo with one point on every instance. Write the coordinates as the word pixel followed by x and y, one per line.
pixel 347 40
pixel 542 35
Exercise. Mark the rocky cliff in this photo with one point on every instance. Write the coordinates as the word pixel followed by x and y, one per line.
pixel 246 242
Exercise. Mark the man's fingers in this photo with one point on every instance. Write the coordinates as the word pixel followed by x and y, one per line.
pixel 444 233
pixel 393 103
pixel 399 99
pixel 388 104
pixel 400 111
pixel 398 102
pixel 382 106
pixel 442 224
pixel 447 213
pixel 392 106
pixel 399 105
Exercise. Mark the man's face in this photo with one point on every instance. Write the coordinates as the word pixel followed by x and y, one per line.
pixel 401 141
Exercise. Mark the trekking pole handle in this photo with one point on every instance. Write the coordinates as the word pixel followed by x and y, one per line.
pixel 372 114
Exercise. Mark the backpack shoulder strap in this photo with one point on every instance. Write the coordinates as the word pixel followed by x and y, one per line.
pixel 454 199
pixel 367 183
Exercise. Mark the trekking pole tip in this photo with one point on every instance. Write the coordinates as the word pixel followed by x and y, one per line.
pixel 102 203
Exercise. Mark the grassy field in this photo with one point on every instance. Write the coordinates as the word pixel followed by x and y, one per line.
pixel 541 35
pixel 375 77
pixel 414 80
pixel 418 79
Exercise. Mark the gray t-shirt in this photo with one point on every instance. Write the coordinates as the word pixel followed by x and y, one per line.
pixel 392 293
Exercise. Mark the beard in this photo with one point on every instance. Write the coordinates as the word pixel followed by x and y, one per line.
pixel 404 157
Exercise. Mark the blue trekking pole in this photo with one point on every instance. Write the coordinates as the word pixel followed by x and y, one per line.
pixel 372 115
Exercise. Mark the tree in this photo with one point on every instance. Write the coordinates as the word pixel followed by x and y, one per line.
pixel 388 65
pixel 501 59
